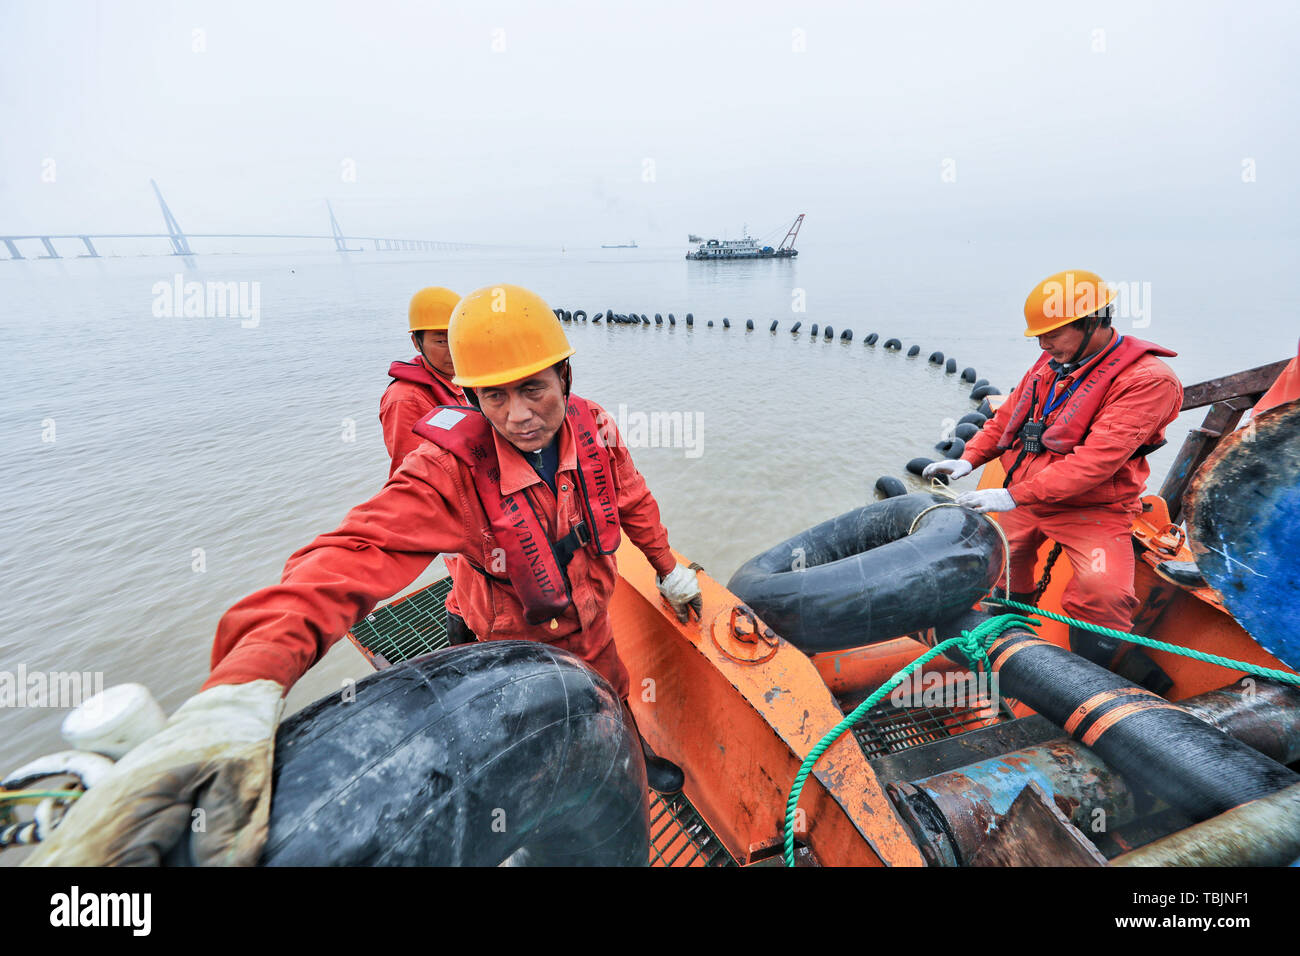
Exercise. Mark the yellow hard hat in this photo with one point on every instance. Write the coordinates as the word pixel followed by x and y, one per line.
pixel 431 309
pixel 1060 299
pixel 502 333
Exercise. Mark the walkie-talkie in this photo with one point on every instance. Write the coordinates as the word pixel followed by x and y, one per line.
pixel 1031 435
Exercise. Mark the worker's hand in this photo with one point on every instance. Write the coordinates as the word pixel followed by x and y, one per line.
pixel 214 756
pixel 681 589
pixel 954 468
pixel 990 499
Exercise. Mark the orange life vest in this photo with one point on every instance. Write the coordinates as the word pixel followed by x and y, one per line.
pixel 535 564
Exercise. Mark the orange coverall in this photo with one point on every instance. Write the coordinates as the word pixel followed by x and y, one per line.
pixel 1085 500
pixel 430 506
pixel 404 404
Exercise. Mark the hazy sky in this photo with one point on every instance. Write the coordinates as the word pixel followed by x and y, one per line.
pixel 589 122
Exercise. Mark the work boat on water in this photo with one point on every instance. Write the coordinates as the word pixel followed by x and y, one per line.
pixel 747 248
pixel 803 736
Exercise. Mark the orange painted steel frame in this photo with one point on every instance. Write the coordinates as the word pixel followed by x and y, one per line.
pixel 860 670
pixel 741 730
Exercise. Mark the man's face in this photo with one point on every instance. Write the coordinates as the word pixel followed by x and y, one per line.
pixel 527 412
pixel 1061 343
pixel 433 346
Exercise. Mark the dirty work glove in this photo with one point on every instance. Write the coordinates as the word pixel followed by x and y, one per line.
pixel 954 468
pixel 215 755
pixel 990 499
pixel 681 589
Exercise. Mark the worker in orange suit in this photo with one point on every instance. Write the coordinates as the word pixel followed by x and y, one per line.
pixel 419 386
pixel 534 463
pixel 422 384
pixel 1073 438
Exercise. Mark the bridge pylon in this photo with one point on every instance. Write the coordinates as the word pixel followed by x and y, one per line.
pixel 340 241
pixel 180 244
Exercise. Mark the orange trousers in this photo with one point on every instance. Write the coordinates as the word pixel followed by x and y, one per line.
pixel 1099 544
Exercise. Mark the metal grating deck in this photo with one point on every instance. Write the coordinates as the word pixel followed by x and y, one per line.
pixel 680 837
pixel 888 729
pixel 408 627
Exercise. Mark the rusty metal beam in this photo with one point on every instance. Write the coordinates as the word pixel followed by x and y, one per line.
pixel 1255 381
pixel 1034 832
pixel 1263 832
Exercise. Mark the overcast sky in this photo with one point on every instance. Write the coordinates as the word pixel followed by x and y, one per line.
pixel 590 122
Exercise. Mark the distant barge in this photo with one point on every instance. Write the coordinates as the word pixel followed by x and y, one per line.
pixel 748 248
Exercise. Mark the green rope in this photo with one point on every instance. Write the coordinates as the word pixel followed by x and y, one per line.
pixel 1269 672
pixel 23 796
pixel 973 644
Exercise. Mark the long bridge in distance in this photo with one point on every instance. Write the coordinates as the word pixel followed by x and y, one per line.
pixel 180 240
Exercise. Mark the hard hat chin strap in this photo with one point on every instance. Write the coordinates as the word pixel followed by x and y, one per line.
pixel 418 338
pixel 1091 324
pixel 1088 329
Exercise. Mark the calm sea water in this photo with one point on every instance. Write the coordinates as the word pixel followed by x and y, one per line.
pixel 156 468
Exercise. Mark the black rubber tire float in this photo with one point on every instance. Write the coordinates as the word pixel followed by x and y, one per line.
pixel 887 486
pixel 431 753
pixel 952 448
pixel 860 578
pixel 917 467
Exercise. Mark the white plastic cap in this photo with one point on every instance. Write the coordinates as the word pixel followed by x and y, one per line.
pixel 114 720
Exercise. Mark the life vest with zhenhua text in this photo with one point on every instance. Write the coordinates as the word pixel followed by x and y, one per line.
pixel 1085 398
pixel 417 372
pixel 535 564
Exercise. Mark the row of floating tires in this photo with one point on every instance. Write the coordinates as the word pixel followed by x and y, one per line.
pixel 886 486
pixel 632 318
pixel 982 388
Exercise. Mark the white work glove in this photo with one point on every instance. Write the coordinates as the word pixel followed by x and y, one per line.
pixel 681 589
pixel 214 754
pixel 990 499
pixel 954 468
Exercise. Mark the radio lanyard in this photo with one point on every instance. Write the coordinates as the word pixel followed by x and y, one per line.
pixel 1024 449
pixel 1053 401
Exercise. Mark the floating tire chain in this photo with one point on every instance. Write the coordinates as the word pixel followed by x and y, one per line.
pixel 886 486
